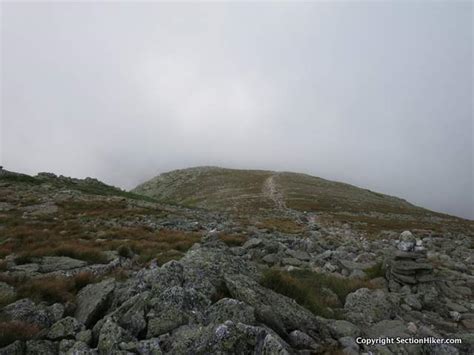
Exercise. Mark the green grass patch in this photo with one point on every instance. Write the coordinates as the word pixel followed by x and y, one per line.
pixel 306 288
pixel 168 255
pixel 19 178
pixel 375 271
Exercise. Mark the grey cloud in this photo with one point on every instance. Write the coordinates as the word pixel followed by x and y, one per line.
pixel 378 94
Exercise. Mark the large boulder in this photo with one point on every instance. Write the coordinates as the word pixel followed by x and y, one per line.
pixel 388 328
pixel 65 328
pixel 130 315
pixel 225 338
pixel 26 310
pixel 92 301
pixel 300 340
pixel 230 309
pixel 59 263
pixel 175 307
pixel 342 328
pixel 111 335
pixel 279 312
pixel 204 268
pixel 169 275
pixel 365 306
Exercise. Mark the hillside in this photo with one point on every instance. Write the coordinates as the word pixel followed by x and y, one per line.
pixel 250 190
pixel 218 261
pixel 285 194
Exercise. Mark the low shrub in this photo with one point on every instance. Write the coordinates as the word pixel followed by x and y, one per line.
pixel 11 280
pixel 83 279
pixel 118 274
pixel 6 299
pixel 125 251
pixel 221 292
pixel 5 250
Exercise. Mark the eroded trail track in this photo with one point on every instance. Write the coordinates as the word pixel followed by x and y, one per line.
pixel 271 192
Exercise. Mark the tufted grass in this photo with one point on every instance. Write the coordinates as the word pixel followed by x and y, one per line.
pixel 72 235
pixel 6 299
pixel 55 289
pixel 75 250
pixel 305 287
pixel 168 255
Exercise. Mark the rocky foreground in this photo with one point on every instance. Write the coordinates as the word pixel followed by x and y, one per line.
pixel 237 288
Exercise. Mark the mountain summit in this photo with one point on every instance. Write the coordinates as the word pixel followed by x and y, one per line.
pixel 262 193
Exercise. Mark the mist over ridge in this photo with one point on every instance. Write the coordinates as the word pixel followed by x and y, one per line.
pixel 378 95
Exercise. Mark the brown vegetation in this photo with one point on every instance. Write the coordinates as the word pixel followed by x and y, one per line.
pixel 71 249
pixel 55 289
pixel 284 225
pixel 233 240
pixel 16 330
pixel 81 233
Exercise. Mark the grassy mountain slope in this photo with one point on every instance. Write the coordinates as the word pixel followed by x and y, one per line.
pixel 259 192
pixel 215 188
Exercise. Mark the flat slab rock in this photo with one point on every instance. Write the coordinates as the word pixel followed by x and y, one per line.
pixel 352 265
pixel 55 263
pixel 92 301
pixel 279 312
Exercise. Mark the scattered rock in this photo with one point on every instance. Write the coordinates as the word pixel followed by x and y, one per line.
pixel 343 328
pixel 388 328
pixel 111 335
pixel 41 347
pixel 65 328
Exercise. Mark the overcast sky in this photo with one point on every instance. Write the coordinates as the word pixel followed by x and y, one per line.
pixel 377 94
